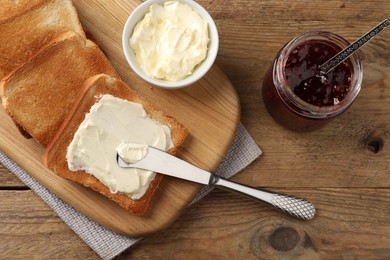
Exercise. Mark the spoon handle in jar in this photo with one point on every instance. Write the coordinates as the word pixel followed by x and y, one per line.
pixel 348 51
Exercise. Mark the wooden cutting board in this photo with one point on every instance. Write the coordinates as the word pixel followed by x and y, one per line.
pixel 209 109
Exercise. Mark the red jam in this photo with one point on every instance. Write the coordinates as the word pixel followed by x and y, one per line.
pixel 301 71
pixel 297 96
pixel 281 113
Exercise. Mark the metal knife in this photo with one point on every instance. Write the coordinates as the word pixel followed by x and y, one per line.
pixel 159 161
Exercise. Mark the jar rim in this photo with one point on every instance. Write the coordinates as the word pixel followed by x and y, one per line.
pixel 300 106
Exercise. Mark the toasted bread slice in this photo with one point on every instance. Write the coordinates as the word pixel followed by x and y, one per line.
pixel 39 95
pixel 55 154
pixel 28 26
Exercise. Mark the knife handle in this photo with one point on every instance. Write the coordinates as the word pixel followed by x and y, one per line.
pixel 294 206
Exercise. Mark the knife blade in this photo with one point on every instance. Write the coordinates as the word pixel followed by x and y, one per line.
pixel 159 161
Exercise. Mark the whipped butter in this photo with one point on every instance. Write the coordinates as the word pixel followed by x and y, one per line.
pixel 170 41
pixel 132 152
pixel 111 122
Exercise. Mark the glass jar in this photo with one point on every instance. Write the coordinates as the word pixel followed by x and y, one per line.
pixel 300 99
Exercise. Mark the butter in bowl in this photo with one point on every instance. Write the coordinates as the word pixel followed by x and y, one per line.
pixel 170 44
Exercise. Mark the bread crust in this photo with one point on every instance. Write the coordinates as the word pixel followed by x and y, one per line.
pixel 11 9
pixel 39 94
pixel 55 154
pixel 28 26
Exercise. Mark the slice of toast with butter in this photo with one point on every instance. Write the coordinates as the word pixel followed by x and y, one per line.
pixel 39 94
pixel 27 26
pixel 97 88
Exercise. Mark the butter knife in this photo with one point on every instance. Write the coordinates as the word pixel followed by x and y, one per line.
pixel 159 161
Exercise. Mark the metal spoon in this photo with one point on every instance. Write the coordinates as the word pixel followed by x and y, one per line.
pixel 348 51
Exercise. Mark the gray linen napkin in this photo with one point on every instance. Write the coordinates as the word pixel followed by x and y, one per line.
pixel 106 243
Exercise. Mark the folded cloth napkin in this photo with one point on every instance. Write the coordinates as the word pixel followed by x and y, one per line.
pixel 106 243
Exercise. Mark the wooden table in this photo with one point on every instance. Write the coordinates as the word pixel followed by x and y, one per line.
pixel 344 168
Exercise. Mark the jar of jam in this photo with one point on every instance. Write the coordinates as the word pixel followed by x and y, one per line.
pixel 301 98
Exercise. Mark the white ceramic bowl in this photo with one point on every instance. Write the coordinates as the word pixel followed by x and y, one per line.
pixel 200 70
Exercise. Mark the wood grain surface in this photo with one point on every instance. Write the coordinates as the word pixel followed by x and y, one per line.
pixel 344 168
